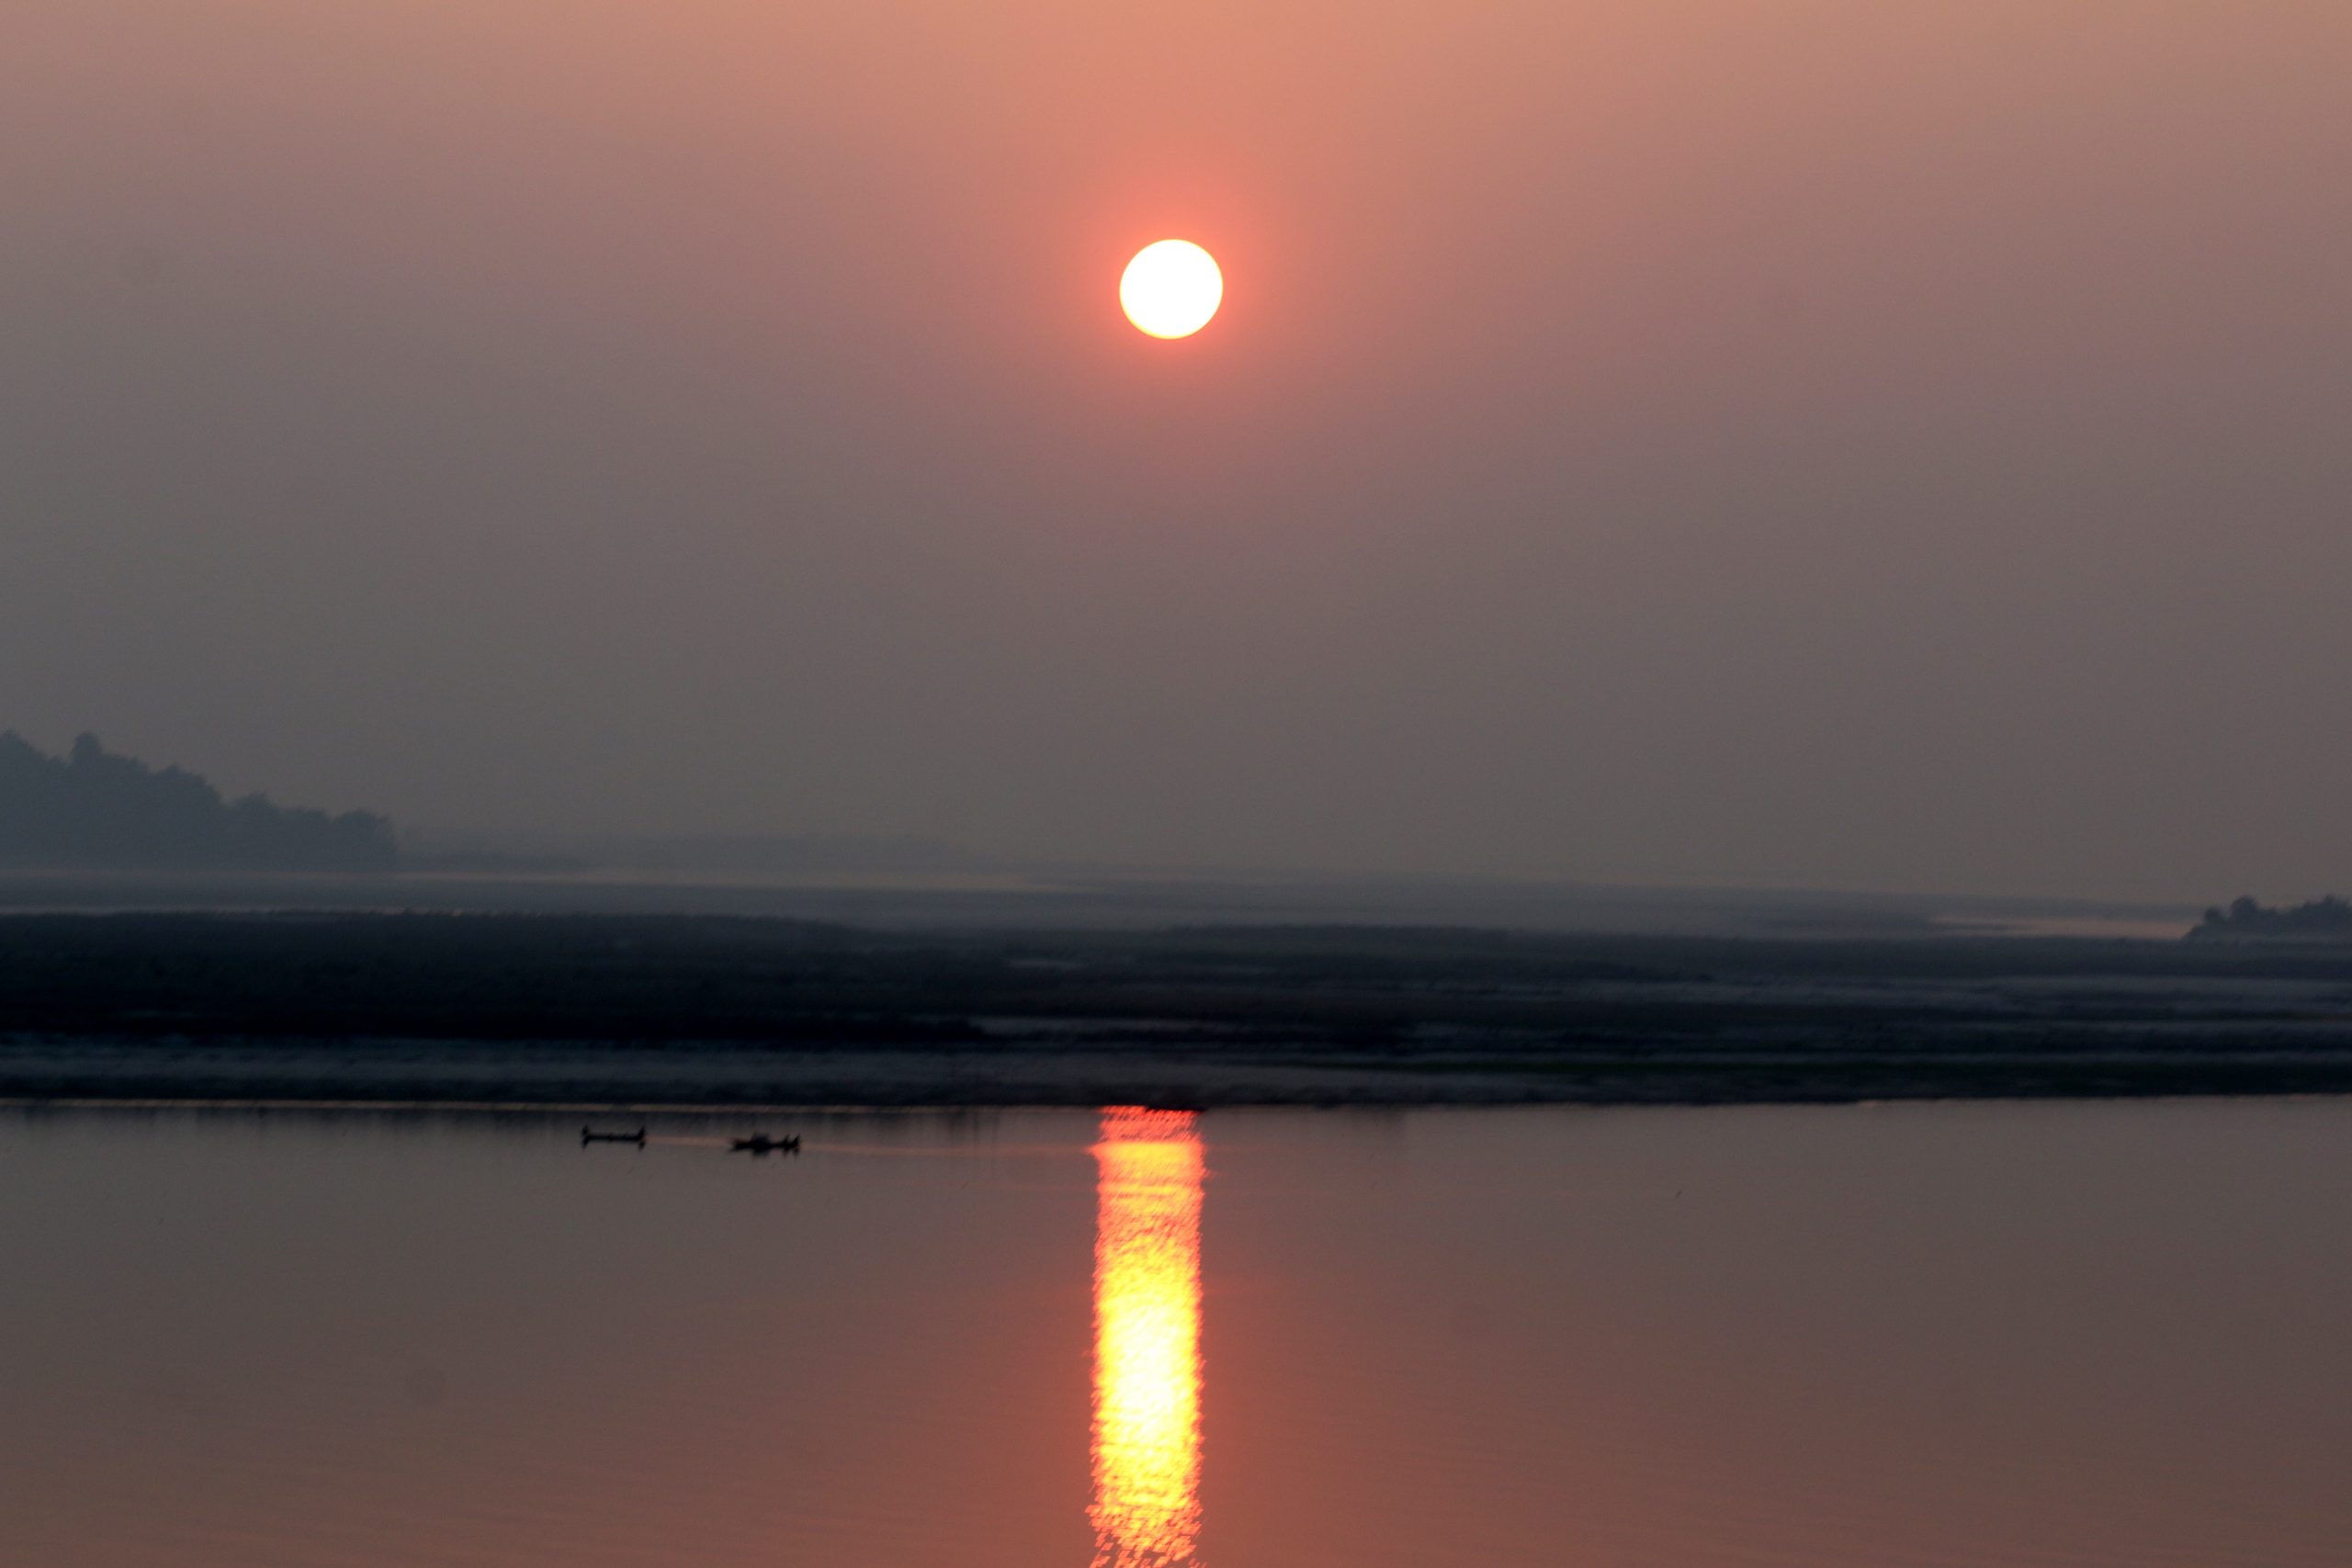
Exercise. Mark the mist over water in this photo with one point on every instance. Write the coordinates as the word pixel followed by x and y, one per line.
pixel 1700 554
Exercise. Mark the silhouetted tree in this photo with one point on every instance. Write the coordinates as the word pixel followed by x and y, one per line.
pixel 2328 919
pixel 95 809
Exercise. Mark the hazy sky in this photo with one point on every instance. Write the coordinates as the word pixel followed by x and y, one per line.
pixel 1867 443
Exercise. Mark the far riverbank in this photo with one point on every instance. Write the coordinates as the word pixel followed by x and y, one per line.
pixel 610 1010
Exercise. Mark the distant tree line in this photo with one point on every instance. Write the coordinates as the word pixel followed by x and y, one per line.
pixel 94 809
pixel 2328 919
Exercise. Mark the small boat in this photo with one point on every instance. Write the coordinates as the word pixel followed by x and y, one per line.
pixel 590 1135
pixel 761 1144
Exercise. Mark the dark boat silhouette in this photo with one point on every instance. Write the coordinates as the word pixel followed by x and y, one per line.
pixel 761 1144
pixel 590 1135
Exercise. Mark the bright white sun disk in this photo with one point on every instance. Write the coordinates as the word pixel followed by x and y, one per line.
pixel 1171 288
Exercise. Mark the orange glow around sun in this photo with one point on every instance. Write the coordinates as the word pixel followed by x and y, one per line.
pixel 1171 288
pixel 1146 1509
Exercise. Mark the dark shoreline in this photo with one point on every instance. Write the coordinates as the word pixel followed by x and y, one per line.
pixel 1044 1083
pixel 725 1012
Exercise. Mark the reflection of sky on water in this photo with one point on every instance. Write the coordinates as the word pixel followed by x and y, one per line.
pixel 1146 1509
pixel 2069 1335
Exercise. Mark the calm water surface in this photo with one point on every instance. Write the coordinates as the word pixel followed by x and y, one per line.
pixel 1967 1336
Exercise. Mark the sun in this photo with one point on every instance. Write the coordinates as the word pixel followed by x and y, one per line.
pixel 1171 288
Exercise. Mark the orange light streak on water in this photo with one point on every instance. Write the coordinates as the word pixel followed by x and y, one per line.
pixel 1146 1509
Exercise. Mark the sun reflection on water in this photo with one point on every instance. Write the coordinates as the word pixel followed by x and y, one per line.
pixel 1146 1509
